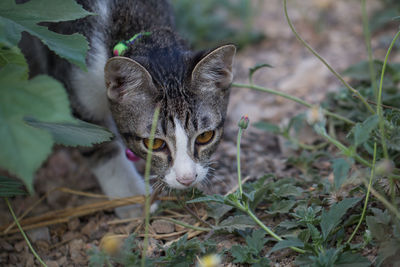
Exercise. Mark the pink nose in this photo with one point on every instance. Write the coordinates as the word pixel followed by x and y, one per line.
pixel 186 180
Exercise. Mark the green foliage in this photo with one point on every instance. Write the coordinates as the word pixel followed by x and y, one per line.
pixel 251 252
pixel 341 170
pixel 386 15
pixel 72 133
pixel 24 148
pixel 129 255
pixel 332 218
pixel 34 114
pixel 183 252
pixel 385 230
pixel 234 223
pixel 15 19
pixel 206 23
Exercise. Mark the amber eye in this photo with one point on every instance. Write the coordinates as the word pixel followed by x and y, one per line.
pixel 204 138
pixel 158 144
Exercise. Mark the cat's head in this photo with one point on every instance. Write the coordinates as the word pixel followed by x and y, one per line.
pixel 193 98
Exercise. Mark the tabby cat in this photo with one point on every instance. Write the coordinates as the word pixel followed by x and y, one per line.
pixel 121 93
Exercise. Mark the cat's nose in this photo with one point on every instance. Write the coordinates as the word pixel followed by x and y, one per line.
pixel 186 180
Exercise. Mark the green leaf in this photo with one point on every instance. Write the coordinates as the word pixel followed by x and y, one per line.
pixel 361 131
pixel 281 206
pixel 12 55
pixel 15 19
pixel 268 127
pixel 341 170
pixel 232 223
pixel 212 198
pixel 10 187
pixel 240 254
pixel 76 133
pixel 289 224
pixel 217 210
pixel 256 241
pixel 287 243
pixel 330 219
pixel 287 190
pixel 24 148
pixel 379 226
pixel 388 252
pixel 349 259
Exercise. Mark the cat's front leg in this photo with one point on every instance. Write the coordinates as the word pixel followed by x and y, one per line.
pixel 118 176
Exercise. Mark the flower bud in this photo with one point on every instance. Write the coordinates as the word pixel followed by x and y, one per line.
pixel 244 122
pixel 384 167
pixel 314 115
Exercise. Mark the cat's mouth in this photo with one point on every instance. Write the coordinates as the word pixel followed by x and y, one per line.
pixel 190 177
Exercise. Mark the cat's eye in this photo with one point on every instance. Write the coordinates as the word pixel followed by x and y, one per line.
pixel 158 144
pixel 204 138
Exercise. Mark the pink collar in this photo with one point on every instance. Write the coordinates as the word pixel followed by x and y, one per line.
pixel 131 156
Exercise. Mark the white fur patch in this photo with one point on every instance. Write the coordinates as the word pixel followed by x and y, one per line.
pixel 90 86
pixel 118 178
pixel 183 165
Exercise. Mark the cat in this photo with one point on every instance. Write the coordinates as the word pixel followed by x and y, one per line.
pixel 121 92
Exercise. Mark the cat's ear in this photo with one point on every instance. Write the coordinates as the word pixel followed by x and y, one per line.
pixel 215 68
pixel 124 77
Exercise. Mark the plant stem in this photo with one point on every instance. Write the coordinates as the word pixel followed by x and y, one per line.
pixel 346 150
pixel 379 111
pixel 385 203
pixel 367 38
pixel 197 228
pixel 239 173
pixel 366 196
pixel 293 98
pixel 269 231
pixel 354 91
pixel 147 184
pixel 23 233
pixel 379 101
pixel 244 207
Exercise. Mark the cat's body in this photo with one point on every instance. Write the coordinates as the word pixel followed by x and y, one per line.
pixel 121 93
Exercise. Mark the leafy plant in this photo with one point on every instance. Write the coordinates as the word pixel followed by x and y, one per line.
pixel 385 230
pixel 184 252
pixel 250 253
pixel 35 113
pixel 181 253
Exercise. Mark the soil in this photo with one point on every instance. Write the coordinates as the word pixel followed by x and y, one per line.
pixel 332 27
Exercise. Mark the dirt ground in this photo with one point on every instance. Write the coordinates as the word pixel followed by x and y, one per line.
pixel 332 27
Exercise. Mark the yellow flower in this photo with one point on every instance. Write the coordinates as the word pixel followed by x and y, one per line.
pixel 111 244
pixel 212 260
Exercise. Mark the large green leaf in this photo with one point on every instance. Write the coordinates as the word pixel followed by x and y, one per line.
pixel 15 19
pixel 76 133
pixel 362 131
pixel 24 148
pixel 287 243
pixel 239 222
pixel 330 219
